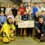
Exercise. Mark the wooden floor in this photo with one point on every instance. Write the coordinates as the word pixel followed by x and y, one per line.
pixel 24 41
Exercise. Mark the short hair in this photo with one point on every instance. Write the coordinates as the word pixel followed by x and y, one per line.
pixel 42 11
pixel 40 17
pixel 35 3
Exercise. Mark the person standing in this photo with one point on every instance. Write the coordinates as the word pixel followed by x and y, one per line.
pixel 21 9
pixel 17 19
pixel 14 10
pixel 34 9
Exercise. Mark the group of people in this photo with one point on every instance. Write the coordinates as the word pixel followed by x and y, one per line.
pixel 11 15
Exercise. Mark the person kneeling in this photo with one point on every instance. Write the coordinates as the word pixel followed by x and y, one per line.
pixel 6 29
pixel 40 29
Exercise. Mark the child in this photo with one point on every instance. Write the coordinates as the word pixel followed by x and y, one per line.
pixel 17 19
pixel 7 29
pixel 25 16
pixel 22 9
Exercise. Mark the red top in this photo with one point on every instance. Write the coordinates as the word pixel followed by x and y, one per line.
pixel 22 9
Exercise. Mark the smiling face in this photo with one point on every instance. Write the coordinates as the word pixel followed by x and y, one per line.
pixel 10 20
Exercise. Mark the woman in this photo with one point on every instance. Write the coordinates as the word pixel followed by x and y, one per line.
pixel 8 28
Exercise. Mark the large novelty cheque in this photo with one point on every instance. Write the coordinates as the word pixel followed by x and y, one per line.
pixel 26 24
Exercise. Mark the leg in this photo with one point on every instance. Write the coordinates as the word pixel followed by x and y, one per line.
pixel 25 32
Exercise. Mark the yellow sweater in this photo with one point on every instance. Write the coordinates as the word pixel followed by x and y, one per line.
pixel 6 28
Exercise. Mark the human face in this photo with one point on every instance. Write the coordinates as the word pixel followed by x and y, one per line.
pixel 41 20
pixel 14 6
pixel 2 13
pixel 10 13
pixel 25 12
pixel 18 12
pixel 10 20
pixel 21 5
pixel 42 13
pixel 35 5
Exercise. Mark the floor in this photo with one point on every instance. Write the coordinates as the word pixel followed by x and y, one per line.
pixel 24 41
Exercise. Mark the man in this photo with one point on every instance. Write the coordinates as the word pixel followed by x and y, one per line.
pixel 40 28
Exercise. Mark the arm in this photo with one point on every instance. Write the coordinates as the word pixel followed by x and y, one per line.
pixel 37 28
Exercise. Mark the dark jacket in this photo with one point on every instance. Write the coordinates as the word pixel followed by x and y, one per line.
pixel 14 11
pixel 41 27
pixel 25 17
